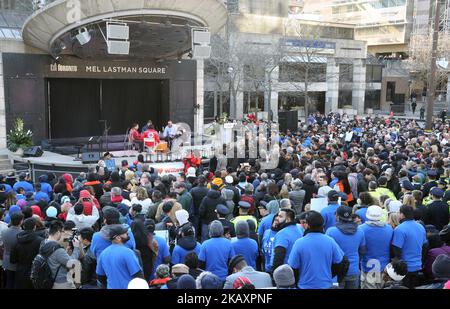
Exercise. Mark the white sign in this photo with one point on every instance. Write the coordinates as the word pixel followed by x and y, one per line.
pixel 318 204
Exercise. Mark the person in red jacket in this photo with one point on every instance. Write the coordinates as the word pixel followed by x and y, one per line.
pixel 151 133
pixel 135 137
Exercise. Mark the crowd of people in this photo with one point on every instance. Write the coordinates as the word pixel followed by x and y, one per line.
pixel 234 225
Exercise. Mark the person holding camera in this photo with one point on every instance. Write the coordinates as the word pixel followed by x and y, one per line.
pixel 57 257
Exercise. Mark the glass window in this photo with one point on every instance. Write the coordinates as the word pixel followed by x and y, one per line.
pixel 345 73
pixel 345 98
pixel 372 99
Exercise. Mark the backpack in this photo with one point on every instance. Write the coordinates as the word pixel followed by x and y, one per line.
pixel 41 275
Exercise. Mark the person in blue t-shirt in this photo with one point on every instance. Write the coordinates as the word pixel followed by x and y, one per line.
pixel 216 252
pixel 101 241
pixel 23 183
pixel 316 258
pixel 267 244
pixel 244 245
pixel 378 237
pixel 40 195
pixel 351 241
pixel 45 186
pixel 267 215
pixel 186 243
pixel 329 212
pixel 285 238
pixel 410 245
pixel 117 265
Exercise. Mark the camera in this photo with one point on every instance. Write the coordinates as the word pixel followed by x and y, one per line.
pixel 75 233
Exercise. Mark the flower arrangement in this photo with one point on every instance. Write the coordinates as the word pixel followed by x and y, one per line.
pixel 18 137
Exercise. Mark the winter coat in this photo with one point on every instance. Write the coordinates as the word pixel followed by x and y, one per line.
pixel 207 210
pixel 198 193
pixel 23 254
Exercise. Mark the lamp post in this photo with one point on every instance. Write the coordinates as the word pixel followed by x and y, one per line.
pixel 432 79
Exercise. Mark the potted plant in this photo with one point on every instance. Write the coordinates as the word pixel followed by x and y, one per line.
pixel 18 138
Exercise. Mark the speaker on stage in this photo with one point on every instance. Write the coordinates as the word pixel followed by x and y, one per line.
pixel 90 157
pixel 34 151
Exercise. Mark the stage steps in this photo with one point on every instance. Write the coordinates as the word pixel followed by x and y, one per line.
pixel 5 165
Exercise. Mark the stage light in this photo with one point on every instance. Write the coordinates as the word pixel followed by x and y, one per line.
pixel 201 40
pixel 117 31
pixel 83 36
pixel 117 38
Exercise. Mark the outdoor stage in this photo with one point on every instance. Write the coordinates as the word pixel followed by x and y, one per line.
pixel 60 164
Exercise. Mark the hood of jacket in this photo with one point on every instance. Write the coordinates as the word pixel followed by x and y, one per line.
pixel 187 243
pixel 348 228
pixel 48 248
pixel 213 194
pixel 26 237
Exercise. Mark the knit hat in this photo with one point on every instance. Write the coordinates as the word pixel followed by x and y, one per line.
pixel 180 269
pixel 65 199
pixel 182 216
pixel 138 284
pixel 297 183
pixel 191 172
pixel 284 276
pixel 242 283
pixel 186 282
pixel 273 207
pixel 242 229
pixel 163 271
pixel 208 281
pixel 51 212
pixel 374 213
pixel 229 179
pixel 21 203
pixel 215 229
pixel 441 267
pixel 394 206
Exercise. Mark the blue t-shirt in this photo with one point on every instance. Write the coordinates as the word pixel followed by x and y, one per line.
pixel 99 243
pixel 362 214
pixel 41 196
pixel 163 252
pixel 313 256
pixel 265 224
pixel 267 248
pixel 378 244
pixel 350 244
pixel 119 264
pixel 28 187
pixel 329 216
pixel 286 239
pixel 47 188
pixel 410 236
pixel 248 248
pixel 216 252
pixel 8 188
pixel 179 253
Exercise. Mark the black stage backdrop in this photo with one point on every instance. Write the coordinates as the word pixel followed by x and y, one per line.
pixel 74 107
pixel 127 101
pixel 77 105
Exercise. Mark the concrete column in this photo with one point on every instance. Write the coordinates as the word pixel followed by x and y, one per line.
pixel 2 107
pixel 274 95
pixel 359 86
pixel 332 95
pixel 448 92
pixel 240 96
pixel 200 90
